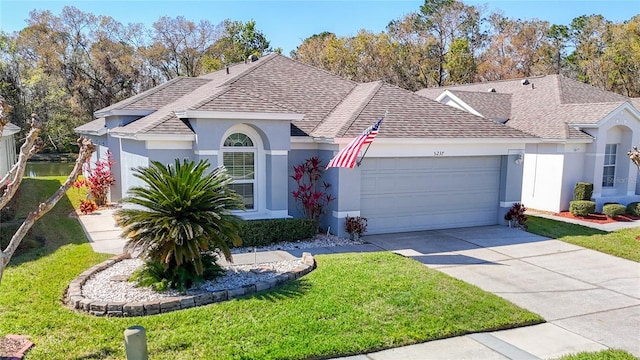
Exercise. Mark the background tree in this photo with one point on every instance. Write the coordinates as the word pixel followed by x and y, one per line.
pixel 236 43
pixel 178 46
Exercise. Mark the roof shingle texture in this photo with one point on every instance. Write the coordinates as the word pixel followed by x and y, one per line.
pixel 547 106
pixel 332 106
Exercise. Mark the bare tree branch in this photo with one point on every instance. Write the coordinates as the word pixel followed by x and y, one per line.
pixel 32 144
pixel 86 149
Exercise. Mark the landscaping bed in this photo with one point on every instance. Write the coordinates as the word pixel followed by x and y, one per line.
pixel 598 218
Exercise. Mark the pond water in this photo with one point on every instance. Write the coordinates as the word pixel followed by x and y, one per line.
pixel 35 169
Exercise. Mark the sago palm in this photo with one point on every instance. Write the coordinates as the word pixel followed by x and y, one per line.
pixel 180 212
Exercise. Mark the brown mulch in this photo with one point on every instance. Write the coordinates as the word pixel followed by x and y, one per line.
pixel 598 218
pixel 13 347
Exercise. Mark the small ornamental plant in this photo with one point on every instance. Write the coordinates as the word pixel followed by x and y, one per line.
pixel 312 194
pixel 98 179
pixel 516 216
pixel 87 206
pixel 355 226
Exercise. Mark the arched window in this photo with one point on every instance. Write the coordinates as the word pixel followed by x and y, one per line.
pixel 238 156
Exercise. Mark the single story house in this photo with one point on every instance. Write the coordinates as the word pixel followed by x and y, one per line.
pixel 431 166
pixel 584 133
pixel 8 155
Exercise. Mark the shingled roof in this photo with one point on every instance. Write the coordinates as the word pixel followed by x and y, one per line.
pixel 546 106
pixel 331 106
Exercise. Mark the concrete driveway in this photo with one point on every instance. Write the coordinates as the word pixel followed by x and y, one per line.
pixel 577 290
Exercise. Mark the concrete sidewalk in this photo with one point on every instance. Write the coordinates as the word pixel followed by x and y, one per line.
pixel 591 300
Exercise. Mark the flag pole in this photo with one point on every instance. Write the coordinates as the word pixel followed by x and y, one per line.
pixel 369 144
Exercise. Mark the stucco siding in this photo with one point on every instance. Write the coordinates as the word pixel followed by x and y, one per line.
pixel 169 156
pixel 276 182
pixel 133 154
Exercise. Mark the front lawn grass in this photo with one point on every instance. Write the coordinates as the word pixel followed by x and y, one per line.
pixel 621 243
pixel 609 354
pixel 352 303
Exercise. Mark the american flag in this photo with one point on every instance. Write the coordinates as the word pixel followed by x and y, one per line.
pixel 349 154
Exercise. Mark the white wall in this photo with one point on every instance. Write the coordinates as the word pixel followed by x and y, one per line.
pixel 542 177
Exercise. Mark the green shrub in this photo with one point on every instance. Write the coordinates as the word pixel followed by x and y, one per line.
pixel 270 231
pixel 633 209
pixel 613 210
pixel 583 191
pixel 582 207
pixel 161 278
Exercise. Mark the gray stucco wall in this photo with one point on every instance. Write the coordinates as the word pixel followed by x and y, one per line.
pixel 132 154
pixel 511 175
pixel 168 156
pixel 276 182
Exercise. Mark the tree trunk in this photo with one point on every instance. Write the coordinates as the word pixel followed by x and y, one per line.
pixel 86 149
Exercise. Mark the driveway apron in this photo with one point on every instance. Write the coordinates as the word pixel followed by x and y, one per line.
pixel 577 290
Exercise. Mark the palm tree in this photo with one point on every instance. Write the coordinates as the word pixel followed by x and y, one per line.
pixel 180 213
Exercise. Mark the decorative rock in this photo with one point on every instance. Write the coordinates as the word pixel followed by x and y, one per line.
pixel 235 293
pixel 261 286
pixel 203 299
pixel 187 302
pixel 133 309
pixel 219 296
pixel 152 308
pixel 98 307
pixel 169 305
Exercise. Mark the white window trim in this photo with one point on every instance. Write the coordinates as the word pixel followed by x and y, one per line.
pixel 614 166
pixel 259 189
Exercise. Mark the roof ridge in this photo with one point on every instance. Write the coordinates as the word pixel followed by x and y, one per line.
pixel 322 70
pixel 144 94
pixel 219 91
pixel 338 126
pixel 486 82
pixel 248 70
pixel 364 104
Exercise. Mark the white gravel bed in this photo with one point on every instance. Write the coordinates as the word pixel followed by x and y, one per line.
pixel 111 284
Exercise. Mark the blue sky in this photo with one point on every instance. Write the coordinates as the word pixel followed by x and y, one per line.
pixel 287 23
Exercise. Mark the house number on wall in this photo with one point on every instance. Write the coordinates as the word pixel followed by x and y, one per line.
pixel 438 153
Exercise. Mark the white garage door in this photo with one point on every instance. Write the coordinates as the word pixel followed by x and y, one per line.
pixel 408 194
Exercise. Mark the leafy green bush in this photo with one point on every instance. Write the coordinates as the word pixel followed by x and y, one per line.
pixel 613 210
pixel 270 231
pixel 161 278
pixel 633 209
pixel 582 191
pixel 582 207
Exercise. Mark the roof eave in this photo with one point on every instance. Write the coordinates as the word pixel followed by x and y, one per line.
pixel 156 137
pixel 236 115
pixel 123 112
pixel 101 132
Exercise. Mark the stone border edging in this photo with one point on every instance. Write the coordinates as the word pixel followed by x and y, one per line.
pixel 75 300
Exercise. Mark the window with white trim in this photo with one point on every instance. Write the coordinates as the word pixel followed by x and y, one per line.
pixel 609 171
pixel 238 156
